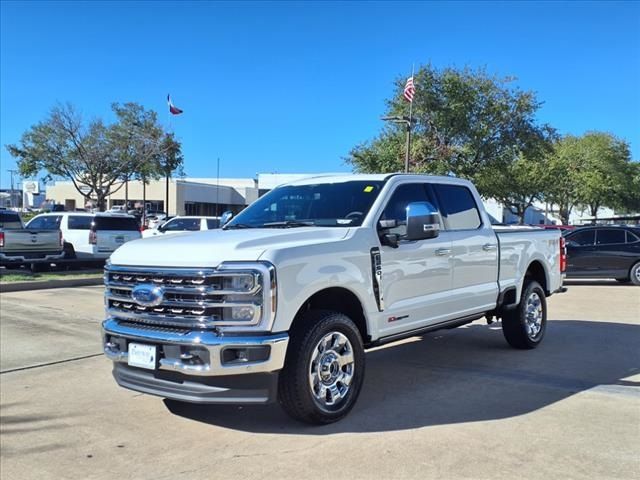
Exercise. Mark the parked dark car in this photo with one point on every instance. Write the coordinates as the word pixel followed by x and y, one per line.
pixel 605 251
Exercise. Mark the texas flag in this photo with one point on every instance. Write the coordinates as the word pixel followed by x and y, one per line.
pixel 173 109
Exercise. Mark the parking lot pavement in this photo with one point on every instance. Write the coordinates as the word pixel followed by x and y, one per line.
pixel 453 404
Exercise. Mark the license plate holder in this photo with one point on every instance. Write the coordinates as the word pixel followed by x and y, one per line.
pixel 119 239
pixel 142 356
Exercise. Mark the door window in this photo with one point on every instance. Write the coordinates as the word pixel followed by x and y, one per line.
pixel 182 224
pixel 213 223
pixel 610 236
pixel 582 238
pixel 631 237
pixel 80 222
pixel 48 222
pixel 458 207
pixel 396 208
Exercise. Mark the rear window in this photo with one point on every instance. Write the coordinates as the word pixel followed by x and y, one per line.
pixel 80 222
pixel 115 223
pixel 610 236
pixel 10 221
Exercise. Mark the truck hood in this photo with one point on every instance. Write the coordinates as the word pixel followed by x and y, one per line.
pixel 212 247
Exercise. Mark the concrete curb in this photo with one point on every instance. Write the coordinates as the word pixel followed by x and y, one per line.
pixel 46 284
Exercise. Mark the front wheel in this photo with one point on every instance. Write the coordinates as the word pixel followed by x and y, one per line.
pixel 324 369
pixel 524 326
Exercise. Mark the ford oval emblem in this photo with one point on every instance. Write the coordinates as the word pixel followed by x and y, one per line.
pixel 148 295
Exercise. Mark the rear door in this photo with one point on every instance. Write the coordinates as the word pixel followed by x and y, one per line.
pixel 474 286
pixel 113 231
pixel 612 256
pixel 581 252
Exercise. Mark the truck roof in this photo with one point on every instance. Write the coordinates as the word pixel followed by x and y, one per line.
pixel 364 177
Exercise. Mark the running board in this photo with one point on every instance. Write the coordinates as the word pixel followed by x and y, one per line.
pixel 458 322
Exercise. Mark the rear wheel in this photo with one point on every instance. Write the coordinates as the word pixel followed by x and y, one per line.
pixel 635 274
pixel 524 326
pixel 324 368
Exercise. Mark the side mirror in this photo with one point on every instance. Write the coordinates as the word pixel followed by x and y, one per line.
pixel 423 221
pixel 226 216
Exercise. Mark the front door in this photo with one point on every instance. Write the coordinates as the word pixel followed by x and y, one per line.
pixel 416 276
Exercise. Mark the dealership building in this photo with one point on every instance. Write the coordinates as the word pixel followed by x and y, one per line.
pixel 187 196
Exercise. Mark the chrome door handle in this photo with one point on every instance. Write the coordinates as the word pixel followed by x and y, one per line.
pixel 487 247
pixel 443 251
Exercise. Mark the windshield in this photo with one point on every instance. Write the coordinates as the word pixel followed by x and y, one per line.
pixel 325 204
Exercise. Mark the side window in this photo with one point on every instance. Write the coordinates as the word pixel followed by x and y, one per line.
pixel 182 224
pixel 213 223
pixel 79 222
pixel 48 222
pixel 582 238
pixel 458 207
pixel 396 208
pixel 610 236
pixel 631 237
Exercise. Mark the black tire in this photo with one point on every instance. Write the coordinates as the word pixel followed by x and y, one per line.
pixel 295 392
pixel 634 274
pixel 69 251
pixel 36 267
pixel 515 326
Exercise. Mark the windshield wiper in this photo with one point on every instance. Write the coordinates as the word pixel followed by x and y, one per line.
pixel 237 226
pixel 289 224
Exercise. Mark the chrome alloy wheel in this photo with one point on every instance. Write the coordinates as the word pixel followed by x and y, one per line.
pixel 534 315
pixel 331 369
pixel 638 275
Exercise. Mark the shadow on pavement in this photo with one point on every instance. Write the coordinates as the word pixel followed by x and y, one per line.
pixel 464 375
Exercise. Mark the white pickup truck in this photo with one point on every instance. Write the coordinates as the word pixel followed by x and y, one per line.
pixel 282 302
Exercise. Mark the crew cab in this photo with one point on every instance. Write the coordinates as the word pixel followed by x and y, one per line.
pixel 281 303
pixel 27 246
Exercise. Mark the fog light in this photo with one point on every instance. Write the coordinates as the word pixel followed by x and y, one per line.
pixel 242 313
pixel 235 355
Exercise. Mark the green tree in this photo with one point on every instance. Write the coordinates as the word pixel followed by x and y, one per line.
pixel 562 166
pixel 517 184
pixel 466 120
pixel 95 156
pixel 602 179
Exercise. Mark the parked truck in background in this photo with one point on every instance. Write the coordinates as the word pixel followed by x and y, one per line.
pixel 34 247
pixel 281 303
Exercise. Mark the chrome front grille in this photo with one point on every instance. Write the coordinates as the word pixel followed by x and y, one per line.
pixel 233 295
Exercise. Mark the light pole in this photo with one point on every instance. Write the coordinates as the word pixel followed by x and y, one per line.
pixel 408 121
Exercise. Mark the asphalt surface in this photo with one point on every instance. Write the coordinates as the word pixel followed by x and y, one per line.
pixel 452 404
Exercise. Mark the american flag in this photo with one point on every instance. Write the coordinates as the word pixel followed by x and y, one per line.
pixel 409 90
pixel 172 108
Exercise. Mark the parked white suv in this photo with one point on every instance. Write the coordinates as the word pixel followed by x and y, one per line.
pixel 89 236
pixel 283 300
pixel 183 224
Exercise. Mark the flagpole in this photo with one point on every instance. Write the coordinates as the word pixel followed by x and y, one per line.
pixel 406 158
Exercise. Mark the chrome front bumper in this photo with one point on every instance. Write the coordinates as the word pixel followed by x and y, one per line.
pixel 197 353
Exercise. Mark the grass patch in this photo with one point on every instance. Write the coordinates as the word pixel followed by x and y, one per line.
pixel 46 276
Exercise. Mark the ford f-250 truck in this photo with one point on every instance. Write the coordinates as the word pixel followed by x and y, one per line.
pixel 283 301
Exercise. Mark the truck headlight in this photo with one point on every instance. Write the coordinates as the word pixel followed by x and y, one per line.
pixel 249 295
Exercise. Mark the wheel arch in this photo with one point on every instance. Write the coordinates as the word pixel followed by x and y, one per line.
pixel 338 299
pixel 536 271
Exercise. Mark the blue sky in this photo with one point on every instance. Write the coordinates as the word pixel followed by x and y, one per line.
pixel 291 87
